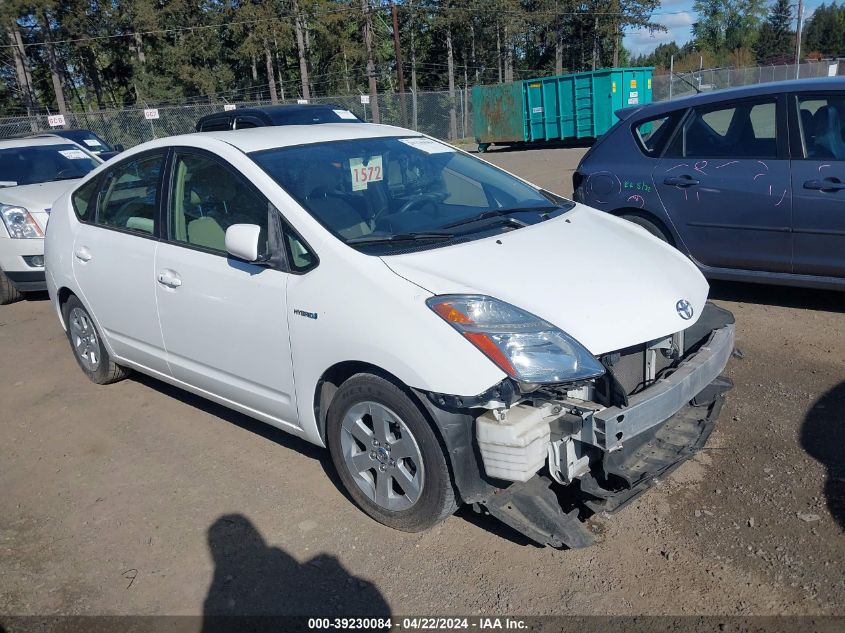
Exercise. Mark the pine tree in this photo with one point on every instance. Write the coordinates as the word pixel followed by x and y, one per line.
pixel 776 40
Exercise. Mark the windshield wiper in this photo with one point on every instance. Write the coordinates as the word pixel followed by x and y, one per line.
pixel 401 237
pixel 501 213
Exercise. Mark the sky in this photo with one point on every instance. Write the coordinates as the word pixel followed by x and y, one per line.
pixel 677 16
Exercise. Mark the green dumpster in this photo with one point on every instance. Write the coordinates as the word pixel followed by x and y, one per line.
pixel 566 107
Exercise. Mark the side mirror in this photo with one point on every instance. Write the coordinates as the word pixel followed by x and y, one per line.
pixel 242 241
pixel 119 147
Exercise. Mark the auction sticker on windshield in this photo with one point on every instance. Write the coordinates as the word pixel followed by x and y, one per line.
pixel 73 154
pixel 365 173
pixel 426 145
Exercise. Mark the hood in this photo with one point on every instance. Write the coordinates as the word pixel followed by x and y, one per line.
pixel 37 199
pixel 603 280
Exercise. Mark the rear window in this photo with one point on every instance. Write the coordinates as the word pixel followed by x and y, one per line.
pixel 652 134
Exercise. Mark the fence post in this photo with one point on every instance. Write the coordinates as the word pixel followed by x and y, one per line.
pixel 414 109
pixel 464 113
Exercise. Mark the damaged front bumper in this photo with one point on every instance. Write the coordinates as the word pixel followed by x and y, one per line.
pixel 605 455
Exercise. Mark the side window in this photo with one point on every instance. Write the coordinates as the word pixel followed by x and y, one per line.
pixel 822 121
pixel 129 197
pixel 83 200
pixel 744 130
pixel 207 198
pixel 242 124
pixel 653 134
pixel 300 257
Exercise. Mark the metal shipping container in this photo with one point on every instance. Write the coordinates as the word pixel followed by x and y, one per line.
pixel 566 107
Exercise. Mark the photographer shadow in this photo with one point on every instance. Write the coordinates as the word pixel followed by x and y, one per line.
pixel 254 584
pixel 823 437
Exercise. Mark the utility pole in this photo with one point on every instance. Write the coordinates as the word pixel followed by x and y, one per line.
pixel 302 50
pixel 413 55
pixel 371 66
pixel 397 47
pixel 798 38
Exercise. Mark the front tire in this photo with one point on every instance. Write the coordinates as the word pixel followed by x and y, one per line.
pixel 87 345
pixel 388 456
pixel 8 291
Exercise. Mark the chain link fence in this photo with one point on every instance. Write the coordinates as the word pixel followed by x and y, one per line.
pixel 427 112
pixel 433 113
pixel 683 84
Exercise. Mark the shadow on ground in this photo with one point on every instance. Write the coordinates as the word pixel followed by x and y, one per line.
pixel 784 296
pixel 252 578
pixel 36 296
pixel 823 437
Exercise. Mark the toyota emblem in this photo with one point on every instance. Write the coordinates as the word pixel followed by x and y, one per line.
pixel 684 308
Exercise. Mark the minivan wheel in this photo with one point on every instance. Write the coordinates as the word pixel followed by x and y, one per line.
pixel 8 291
pixel 87 346
pixel 649 226
pixel 388 456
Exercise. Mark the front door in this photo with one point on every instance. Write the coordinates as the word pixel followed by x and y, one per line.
pixel 113 258
pixel 224 321
pixel 818 180
pixel 724 181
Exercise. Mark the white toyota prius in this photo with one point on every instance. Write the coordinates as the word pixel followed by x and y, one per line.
pixel 452 333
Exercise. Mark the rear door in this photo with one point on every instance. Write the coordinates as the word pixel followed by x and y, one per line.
pixel 818 180
pixel 113 258
pixel 724 181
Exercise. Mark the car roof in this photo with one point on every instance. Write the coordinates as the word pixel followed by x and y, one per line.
pixel 262 138
pixel 729 94
pixel 37 139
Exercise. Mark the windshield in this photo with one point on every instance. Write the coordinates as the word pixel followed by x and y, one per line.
pixel 378 190
pixel 43 163
pixel 88 140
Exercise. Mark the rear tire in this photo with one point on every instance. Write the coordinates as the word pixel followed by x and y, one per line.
pixel 87 345
pixel 649 226
pixel 388 456
pixel 8 291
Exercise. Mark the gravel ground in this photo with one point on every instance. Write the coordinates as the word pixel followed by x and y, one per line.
pixel 137 498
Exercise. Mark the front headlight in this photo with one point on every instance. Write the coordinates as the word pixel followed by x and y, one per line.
pixel 19 222
pixel 524 346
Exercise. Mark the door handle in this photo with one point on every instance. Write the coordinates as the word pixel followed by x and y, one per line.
pixel 170 279
pixel 82 254
pixel 680 181
pixel 828 184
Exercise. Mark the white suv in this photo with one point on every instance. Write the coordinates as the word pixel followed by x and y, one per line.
pixel 451 332
pixel 33 173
